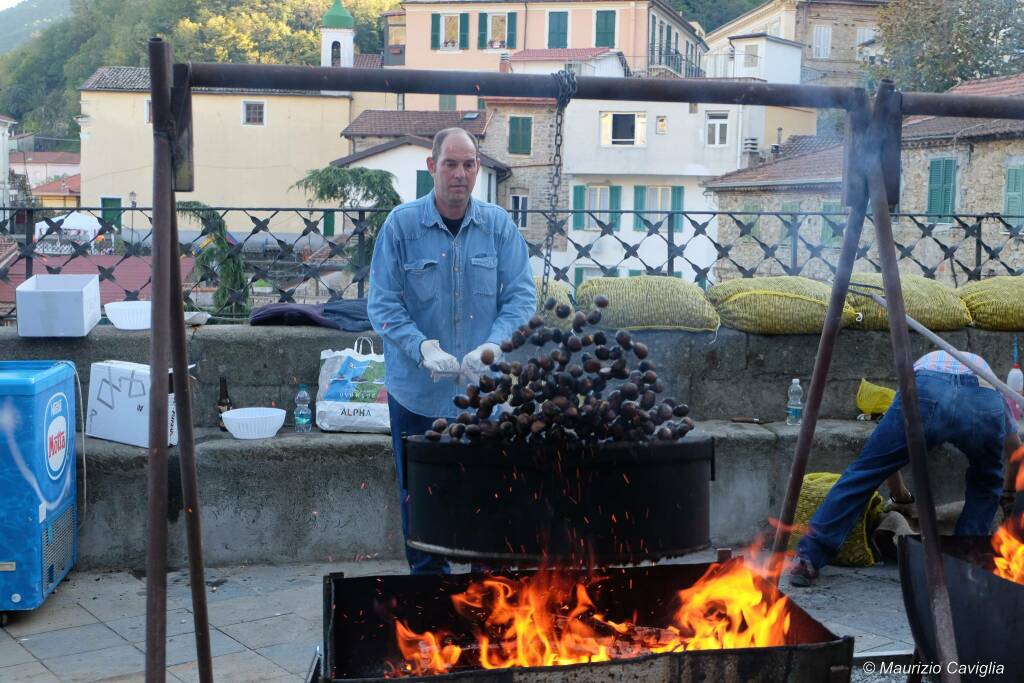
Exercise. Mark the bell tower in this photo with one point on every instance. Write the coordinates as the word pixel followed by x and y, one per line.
pixel 337 37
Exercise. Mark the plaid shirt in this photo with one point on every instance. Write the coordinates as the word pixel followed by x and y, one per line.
pixel 942 361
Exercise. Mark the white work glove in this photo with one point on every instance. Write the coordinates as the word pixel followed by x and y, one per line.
pixel 437 360
pixel 473 365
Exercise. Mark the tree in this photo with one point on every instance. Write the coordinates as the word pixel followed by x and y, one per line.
pixel 354 187
pixel 217 260
pixel 713 13
pixel 931 45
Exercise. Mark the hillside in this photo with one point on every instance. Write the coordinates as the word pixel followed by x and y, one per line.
pixel 24 21
pixel 713 13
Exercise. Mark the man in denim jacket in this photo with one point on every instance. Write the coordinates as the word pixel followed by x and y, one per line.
pixel 450 278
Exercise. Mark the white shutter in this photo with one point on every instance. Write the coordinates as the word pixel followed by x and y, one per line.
pixel 864 34
pixel 822 41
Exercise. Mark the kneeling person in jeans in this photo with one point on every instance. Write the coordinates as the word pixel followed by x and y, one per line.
pixel 450 278
pixel 957 407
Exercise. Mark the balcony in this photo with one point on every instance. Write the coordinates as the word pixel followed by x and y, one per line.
pixel 663 64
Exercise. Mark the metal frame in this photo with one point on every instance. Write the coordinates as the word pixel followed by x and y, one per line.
pixel 872 173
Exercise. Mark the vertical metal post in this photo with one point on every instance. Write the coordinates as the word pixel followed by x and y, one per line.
pixel 30 236
pixel 858 119
pixel 794 243
pixel 978 246
pixel 360 242
pixel 916 445
pixel 672 242
pixel 156 547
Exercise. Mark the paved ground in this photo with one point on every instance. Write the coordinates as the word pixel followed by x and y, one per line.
pixel 266 622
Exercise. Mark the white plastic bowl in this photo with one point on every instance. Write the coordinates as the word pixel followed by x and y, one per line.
pixel 253 423
pixel 129 315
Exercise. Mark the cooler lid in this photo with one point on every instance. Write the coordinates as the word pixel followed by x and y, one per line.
pixel 30 377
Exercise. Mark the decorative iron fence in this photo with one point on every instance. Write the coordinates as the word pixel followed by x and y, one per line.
pixel 233 259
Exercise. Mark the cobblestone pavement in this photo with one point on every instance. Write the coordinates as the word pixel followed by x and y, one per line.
pixel 267 620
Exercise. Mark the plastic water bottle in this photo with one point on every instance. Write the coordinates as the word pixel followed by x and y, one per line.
pixel 1015 380
pixel 303 415
pixel 795 407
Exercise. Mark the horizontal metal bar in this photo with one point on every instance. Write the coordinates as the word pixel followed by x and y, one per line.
pixel 968 106
pixel 484 84
pixel 978 370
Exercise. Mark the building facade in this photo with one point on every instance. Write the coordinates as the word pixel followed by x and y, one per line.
pixel 830 31
pixel 6 123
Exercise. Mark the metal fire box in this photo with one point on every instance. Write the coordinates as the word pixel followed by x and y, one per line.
pixel 39 540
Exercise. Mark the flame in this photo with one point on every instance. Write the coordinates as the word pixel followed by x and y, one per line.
pixel 1006 541
pixel 548 619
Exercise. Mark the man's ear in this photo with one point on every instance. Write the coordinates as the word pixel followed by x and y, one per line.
pixel 431 165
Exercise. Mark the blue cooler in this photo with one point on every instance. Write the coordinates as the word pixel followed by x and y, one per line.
pixel 38 533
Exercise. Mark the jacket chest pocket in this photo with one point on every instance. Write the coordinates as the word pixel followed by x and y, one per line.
pixel 484 271
pixel 421 280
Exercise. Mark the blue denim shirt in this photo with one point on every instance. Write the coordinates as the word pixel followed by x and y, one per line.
pixel 424 284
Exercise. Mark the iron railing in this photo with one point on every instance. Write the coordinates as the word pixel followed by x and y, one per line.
pixel 317 255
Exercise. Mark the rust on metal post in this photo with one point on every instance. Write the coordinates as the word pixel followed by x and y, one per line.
pixel 187 454
pixel 159 357
pixel 858 120
pixel 484 83
pixel 916 444
pixel 182 157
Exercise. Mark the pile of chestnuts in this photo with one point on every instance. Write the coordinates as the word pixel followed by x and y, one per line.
pixel 558 395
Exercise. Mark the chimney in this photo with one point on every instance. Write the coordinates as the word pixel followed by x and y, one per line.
pixel 505 65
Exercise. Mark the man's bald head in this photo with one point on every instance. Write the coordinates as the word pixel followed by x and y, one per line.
pixel 442 135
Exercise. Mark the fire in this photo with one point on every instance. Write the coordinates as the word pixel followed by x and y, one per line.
pixel 548 619
pixel 1009 550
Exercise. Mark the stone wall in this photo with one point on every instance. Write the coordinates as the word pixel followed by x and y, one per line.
pixel 531 174
pixel 842 68
pixel 365 142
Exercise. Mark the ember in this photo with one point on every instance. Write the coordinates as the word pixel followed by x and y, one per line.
pixel 549 619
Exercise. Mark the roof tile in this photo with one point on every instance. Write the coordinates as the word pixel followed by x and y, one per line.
pixel 387 122
pixel 817 166
pixel 558 54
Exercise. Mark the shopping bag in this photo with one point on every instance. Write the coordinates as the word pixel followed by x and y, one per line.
pixel 351 396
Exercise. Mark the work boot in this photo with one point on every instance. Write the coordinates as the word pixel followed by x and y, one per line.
pixel 803 573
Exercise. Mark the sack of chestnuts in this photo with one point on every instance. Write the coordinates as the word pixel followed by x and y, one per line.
pixel 584 388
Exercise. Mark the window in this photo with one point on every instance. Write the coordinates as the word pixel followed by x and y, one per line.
pixel 788 211
pixel 655 202
pixel 520 134
pixel 582 273
pixel 749 217
pixel 832 226
pixel 447 103
pixel 864 34
pixel 558 30
pixel 400 103
pixel 718 128
pixel 604 31
pixel 662 125
pixel 750 56
pixel 335 53
pixel 603 201
pixel 496 31
pixel 822 46
pixel 693 108
pixel 1013 200
pixel 424 183
pixel 941 187
pixel 497 34
pixel 628 130
pixel 396 35
pixel 597 204
pixel 481 104
pixel 148 111
pixel 449 31
pixel 654 34
pixel 111 210
pixel 519 204
pixel 253 113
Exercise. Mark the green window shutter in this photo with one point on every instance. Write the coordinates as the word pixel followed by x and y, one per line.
pixel 829 237
pixel 934 189
pixel 614 204
pixel 435 31
pixel 464 30
pixel 577 277
pixel 676 204
pixel 579 199
pixel 639 204
pixel 634 273
pixel 527 135
pixel 480 104
pixel 111 210
pixel 481 32
pixel 447 103
pixel 1013 201
pixel 424 183
pixel 519 135
pixel 787 209
pixel 948 186
pixel 328 230
pixel 558 30
pixel 604 34
pixel 754 222
pixel 510 31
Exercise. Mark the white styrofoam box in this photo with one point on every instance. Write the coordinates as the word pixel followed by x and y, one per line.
pixel 119 404
pixel 58 305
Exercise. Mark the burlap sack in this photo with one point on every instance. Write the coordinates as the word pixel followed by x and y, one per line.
pixel 856 550
pixel 774 305
pixel 995 303
pixel 650 302
pixel 930 303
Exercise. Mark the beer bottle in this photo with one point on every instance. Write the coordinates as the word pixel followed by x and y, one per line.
pixel 223 403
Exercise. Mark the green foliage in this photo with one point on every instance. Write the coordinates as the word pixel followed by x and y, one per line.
pixel 931 45
pixel 713 13
pixel 39 81
pixel 20 23
pixel 354 187
pixel 216 256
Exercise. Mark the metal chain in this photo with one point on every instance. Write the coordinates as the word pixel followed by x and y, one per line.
pixel 566 89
